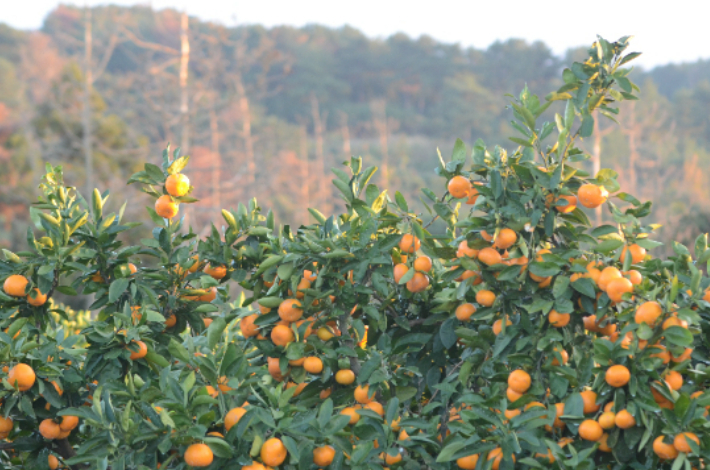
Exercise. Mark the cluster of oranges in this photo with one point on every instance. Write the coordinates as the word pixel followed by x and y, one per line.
pixel 16 286
pixel 422 265
pixel 176 185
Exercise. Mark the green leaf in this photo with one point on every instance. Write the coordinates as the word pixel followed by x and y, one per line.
pixel 214 331
pixel 117 288
pixel 401 202
pixel 459 153
pixel 608 246
pixel 678 336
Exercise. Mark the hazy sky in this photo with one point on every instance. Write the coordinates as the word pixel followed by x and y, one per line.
pixel 665 32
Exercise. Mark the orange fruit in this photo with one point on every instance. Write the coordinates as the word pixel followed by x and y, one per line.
pixel 281 335
pixel 681 441
pixel 489 256
pixel 323 456
pixel 590 430
pixel 467 463
pixel 49 429
pixel 409 243
pixel 674 321
pixel 423 264
pixel 558 320
pixel 485 298
pixel 38 300
pixel 591 195
pixel 569 207
pixel 392 459
pixel 519 381
pixel 617 375
pixel 69 423
pixel 464 250
pixel 534 404
pixel 209 296
pixel 664 451
pixel 464 311
pixel 254 466
pixel 22 375
pixel 498 325
pixel 273 453
pixel 637 253
pixel 248 327
pixel 664 355
pixel 198 455
pixel 607 275
pixel 313 365
pixel 6 425
pixel 618 287
pixel 565 357
pixel 683 357
pixel 604 444
pixel 506 239
pixel 177 185
pixel 345 377
pixel 634 276
pixel 53 462
pixel 607 420
pixel 142 350
pixel 624 420
pixel 418 283
pixel 589 398
pixel 350 411
pixel 486 236
pixel 217 272
pixel 165 207
pixel 512 395
pixel 559 411
pixel 496 455
pixel 473 195
pixel 376 407
pixel 512 413
pixel 674 379
pixel 275 368
pixel 15 285
pixel 471 274
pixel 362 394
pixel 459 187
pixel 233 416
pixel 648 313
pixel 399 271
pixel 290 310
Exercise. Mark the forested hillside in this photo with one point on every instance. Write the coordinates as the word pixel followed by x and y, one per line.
pixel 260 108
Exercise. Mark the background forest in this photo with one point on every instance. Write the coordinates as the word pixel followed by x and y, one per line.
pixel 270 111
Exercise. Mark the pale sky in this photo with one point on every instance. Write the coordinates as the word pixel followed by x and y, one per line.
pixel 664 31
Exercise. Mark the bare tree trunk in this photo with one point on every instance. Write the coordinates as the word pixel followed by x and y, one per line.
pixel 305 197
pixel 217 160
pixel 321 177
pixel 86 105
pixel 184 101
pixel 345 131
pixel 246 133
pixel 379 120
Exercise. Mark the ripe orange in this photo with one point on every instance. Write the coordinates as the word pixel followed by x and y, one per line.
pixel 290 310
pixel 275 368
pixel 217 272
pixel 22 375
pixel 604 444
pixel 607 275
pixel 53 462
pixel 634 276
pixel 617 375
pixel 565 357
pixel 512 395
pixel 423 264
pixel 281 335
pixel 313 365
pixel 681 441
pixel 512 413
pixel 323 456
pixel 506 239
pixel 198 455
pixel 254 466
pixel 376 407
pixel 391 459
pixel 248 327
pixel 496 455
pixel 418 283
pixel 362 394
pixel 233 416
pixel 648 313
pixel 345 377
pixel 607 420
pixel 590 430
pixel 471 274
pixel 459 187
pixel 485 298
pixel 664 355
pixel 498 325
pixel 559 411
pixel 6 425
pixel 165 207
pixel 664 451
pixel 683 357
pixel 624 420
pixel 38 300
pixel 558 320
pixel 350 411
pixel 473 195
pixel 637 253
pixel 674 379
pixel 409 243
pixel 15 285
pixel 589 398
pixel 486 236
pixel 519 381
pixel 591 195
pixel 464 311
pixel 69 423
pixel 467 463
pixel 207 321
pixel 464 250
pixel 399 271
pixel 141 352
pixel 49 429
pixel 569 207
pixel 618 287
pixel 489 256
pixel 674 321
pixel 177 185
pixel 273 452
pixel 209 296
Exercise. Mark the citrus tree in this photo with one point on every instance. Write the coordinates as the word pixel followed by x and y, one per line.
pixel 497 329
